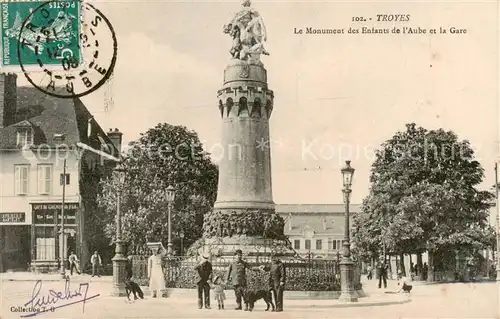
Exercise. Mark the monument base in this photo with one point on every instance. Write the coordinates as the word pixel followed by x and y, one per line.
pixel 254 248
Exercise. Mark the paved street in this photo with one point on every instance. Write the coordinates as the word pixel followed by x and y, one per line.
pixel 479 300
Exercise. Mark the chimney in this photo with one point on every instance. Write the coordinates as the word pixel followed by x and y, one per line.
pixel 116 138
pixel 8 99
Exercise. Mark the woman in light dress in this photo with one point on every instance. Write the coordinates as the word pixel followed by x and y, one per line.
pixel 155 272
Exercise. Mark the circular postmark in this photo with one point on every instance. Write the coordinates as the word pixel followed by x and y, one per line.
pixel 64 48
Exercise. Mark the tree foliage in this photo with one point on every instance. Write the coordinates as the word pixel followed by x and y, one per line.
pixel 164 155
pixel 424 196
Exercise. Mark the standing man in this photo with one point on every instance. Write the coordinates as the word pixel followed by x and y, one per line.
pixel 73 263
pixel 204 269
pixel 277 276
pixel 96 262
pixel 237 274
pixel 382 269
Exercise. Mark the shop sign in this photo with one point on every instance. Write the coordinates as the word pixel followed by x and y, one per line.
pixel 47 213
pixel 12 217
pixel 54 206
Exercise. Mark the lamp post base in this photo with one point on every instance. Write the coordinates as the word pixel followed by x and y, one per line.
pixel 62 272
pixel 347 293
pixel 119 265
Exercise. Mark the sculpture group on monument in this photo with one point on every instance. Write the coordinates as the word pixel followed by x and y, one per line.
pixel 249 34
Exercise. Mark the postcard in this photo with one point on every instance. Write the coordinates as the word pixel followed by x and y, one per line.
pixel 298 159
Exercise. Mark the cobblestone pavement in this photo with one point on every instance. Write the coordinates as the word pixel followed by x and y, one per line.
pixel 479 300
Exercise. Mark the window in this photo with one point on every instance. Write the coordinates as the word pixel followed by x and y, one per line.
pixel 45 243
pixel 44 179
pixel 24 137
pixel 308 244
pixel 296 244
pixel 319 244
pixel 335 244
pixel 22 179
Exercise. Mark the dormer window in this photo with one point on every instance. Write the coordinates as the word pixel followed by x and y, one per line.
pixel 24 137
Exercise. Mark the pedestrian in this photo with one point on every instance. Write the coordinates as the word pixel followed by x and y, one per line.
pixel 425 270
pixel 204 269
pixel 369 271
pixel 277 277
pixel 236 274
pixel 218 287
pixel 382 269
pixel 155 272
pixel 73 263
pixel 96 262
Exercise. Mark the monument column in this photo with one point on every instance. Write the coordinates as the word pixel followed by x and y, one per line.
pixel 244 216
pixel 245 106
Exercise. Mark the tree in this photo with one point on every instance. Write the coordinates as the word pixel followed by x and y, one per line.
pixel 165 155
pixel 423 196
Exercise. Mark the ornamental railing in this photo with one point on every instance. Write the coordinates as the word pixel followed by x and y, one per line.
pixel 301 274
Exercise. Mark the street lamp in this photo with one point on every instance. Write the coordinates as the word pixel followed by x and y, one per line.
pixel 119 260
pixel 181 235
pixel 346 265
pixel 170 200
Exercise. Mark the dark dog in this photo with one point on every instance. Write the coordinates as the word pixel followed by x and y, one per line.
pixel 407 288
pixel 132 287
pixel 251 296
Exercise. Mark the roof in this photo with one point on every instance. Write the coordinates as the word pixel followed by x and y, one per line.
pixel 50 116
pixel 316 208
pixel 320 225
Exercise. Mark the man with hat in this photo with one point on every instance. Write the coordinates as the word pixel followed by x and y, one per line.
pixel 237 274
pixel 382 269
pixel 277 276
pixel 204 269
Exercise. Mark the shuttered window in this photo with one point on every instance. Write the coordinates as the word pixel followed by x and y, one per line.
pixel 44 179
pixel 22 179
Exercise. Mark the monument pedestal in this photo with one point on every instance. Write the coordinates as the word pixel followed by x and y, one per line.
pixel 255 249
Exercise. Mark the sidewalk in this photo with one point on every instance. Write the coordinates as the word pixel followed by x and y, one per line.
pixel 295 299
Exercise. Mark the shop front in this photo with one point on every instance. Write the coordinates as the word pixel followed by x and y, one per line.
pixel 48 244
pixel 14 241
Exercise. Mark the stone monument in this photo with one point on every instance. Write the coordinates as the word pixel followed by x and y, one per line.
pixel 244 213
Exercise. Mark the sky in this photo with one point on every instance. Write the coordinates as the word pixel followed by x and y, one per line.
pixel 344 94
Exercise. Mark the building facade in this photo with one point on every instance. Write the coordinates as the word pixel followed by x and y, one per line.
pixel 315 230
pixel 52 156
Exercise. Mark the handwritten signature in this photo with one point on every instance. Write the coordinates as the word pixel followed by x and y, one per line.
pixel 51 301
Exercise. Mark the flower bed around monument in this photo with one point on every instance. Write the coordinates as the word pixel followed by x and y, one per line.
pixel 302 275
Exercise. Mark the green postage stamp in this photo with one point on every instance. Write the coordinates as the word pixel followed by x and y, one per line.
pixel 48 31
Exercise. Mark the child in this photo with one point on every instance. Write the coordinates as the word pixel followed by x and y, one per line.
pixel 402 281
pixel 218 287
